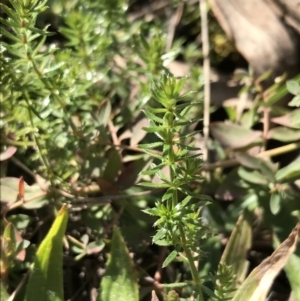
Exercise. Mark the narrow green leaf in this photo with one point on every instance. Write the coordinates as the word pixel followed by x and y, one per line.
pixel 153 117
pixel 170 258
pixel 153 185
pixel 119 281
pixel 154 129
pixel 150 145
pixel 178 284
pixel 153 154
pixel 42 32
pixel 10 36
pixel 152 211
pixel 162 242
pixel 12 14
pixel 38 46
pixel 46 278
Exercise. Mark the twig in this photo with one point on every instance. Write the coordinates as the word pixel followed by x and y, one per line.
pixel 20 285
pixel 266 126
pixel 172 26
pixel 269 153
pixel 23 166
pixel 206 72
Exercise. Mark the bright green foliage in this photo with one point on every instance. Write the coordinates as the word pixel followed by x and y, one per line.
pixel 179 221
pixel 119 281
pixel 71 112
pixel 46 278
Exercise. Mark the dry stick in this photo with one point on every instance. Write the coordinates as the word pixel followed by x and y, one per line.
pixel 172 27
pixel 269 153
pixel 206 71
pixel 266 126
pixel 20 285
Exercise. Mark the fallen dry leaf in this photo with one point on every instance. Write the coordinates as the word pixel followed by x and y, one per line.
pixel 258 283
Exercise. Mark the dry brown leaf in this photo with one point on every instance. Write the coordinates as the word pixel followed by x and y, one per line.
pixel 258 283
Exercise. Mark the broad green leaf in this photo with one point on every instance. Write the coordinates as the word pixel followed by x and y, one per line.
pixel 131 172
pixel 258 283
pixel 233 135
pixel 295 102
pixel 265 167
pixel 291 120
pixel 284 134
pixel 252 176
pixel 119 281
pixel 249 118
pixel 289 172
pixel 293 87
pixel 113 167
pixel 34 196
pixel 104 112
pixel 236 252
pixel 292 269
pixel 20 221
pixel 275 202
pixel 46 278
pixel 9 240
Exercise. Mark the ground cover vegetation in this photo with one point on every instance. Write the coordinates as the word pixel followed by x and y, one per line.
pixel 115 185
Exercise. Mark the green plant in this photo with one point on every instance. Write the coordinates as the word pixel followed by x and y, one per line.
pixel 179 211
pixel 71 121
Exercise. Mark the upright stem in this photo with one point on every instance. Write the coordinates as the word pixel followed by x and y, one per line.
pixel 206 72
pixel 193 268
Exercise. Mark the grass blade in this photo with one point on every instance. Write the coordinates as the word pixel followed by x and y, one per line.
pixel 119 282
pixel 46 278
pixel 257 285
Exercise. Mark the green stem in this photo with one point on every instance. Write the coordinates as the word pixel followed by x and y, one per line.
pixel 193 268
